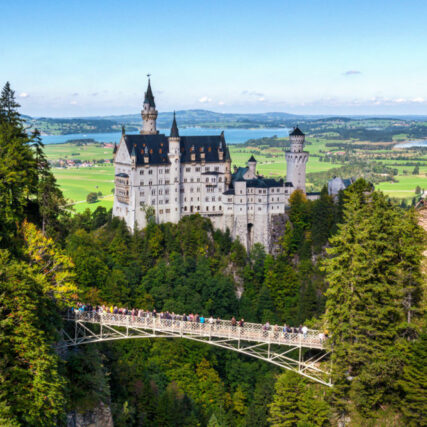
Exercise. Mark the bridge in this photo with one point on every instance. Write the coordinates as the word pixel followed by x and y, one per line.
pixel 304 354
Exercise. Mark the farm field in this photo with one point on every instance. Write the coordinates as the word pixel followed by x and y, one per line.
pixel 76 183
pixel 405 187
pixel 70 151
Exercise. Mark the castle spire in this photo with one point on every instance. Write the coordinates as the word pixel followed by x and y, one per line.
pixel 149 98
pixel 149 112
pixel 174 128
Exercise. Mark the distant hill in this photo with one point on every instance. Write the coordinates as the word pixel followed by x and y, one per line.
pixel 195 118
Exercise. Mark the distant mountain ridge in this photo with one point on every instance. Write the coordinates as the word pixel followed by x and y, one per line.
pixel 186 118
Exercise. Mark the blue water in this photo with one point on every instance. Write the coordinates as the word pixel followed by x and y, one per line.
pixel 232 136
pixel 419 143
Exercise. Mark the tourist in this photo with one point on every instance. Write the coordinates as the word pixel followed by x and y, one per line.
pixel 304 331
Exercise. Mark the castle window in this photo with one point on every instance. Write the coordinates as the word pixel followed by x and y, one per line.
pixel 160 170
pixel 213 208
pixel 207 169
pixel 150 172
pixel 259 200
pixel 198 179
pixel 167 181
pixel 213 198
pixel 207 208
pixel 160 192
pixel 217 168
pixel 160 211
pixel 230 200
pixel 191 179
pixel 150 182
pixel 220 207
pixel 168 211
pixel 197 169
pixel 166 170
pixel 185 179
pixel 167 191
pixel 153 192
pixel 259 209
pixel 187 169
pixel 141 172
pixel 141 182
pixel 220 179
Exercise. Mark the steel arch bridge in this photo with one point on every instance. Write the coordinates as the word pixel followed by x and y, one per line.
pixel 287 350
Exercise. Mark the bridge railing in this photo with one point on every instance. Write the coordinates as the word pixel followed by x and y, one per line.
pixel 218 328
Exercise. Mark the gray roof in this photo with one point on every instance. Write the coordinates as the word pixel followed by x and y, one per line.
pixel 157 148
pixel 174 128
pixel 296 132
pixel 149 98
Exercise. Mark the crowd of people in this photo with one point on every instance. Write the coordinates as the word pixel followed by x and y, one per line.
pixel 135 314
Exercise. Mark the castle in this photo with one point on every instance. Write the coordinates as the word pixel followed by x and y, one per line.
pixel 183 175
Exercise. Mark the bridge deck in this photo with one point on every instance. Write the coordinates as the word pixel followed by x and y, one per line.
pixel 252 332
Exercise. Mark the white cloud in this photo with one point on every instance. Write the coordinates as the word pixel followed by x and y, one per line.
pixel 351 72
pixel 73 102
pixel 400 100
pixel 261 99
pixel 418 100
pixel 221 103
pixel 252 93
pixel 24 95
pixel 205 100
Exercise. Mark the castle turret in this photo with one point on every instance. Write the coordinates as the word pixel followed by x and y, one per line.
pixel 175 171
pixel 149 113
pixel 296 159
pixel 252 165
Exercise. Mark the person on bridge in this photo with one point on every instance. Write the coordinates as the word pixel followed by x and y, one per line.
pixel 304 331
pixel 233 323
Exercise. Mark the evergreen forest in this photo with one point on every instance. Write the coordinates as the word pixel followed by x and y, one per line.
pixel 351 266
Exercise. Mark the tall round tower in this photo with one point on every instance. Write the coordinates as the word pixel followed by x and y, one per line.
pixel 296 160
pixel 149 113
pixel 175 170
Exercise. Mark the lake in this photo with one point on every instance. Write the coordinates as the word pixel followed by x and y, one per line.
pixel 418 143
pixel 232 136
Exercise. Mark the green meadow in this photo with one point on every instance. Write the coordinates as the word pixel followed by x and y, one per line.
pixel 76 183
pixel 90 151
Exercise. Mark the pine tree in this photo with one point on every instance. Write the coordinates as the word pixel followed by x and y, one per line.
pixel 323 216
pixel 284 409
pixel 31 388
pixel 414 383
pixel 18 171
pixel 374 292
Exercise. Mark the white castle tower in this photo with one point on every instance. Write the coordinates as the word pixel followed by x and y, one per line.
pixel 296 160
pixel 175 169
pixel 149 113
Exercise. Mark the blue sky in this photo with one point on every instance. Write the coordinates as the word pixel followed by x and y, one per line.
pixel 80 58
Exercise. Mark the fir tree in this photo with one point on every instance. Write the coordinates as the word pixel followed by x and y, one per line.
pixel 374 292
pixel 414 383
